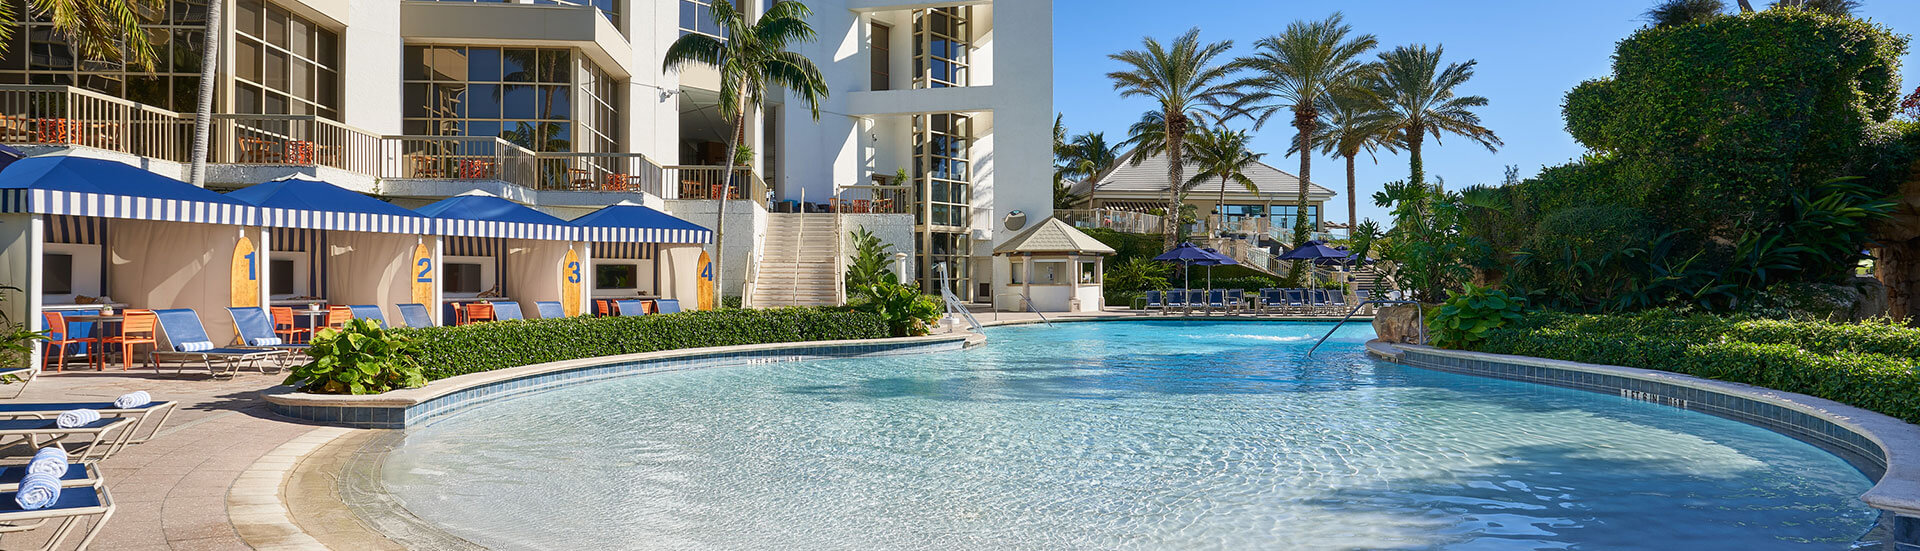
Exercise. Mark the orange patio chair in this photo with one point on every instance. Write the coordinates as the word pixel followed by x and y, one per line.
pixel 478 312
pixel 338 316
pixel 58 339
pixel 139 328
pixel 285 328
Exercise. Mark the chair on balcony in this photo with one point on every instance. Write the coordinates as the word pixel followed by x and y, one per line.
pixel 861 206
pixel 257 151
pixel 617 182
pixel 299 152
pixel 579 179
pixel 426 167
pixel 476 169
pixel 690 189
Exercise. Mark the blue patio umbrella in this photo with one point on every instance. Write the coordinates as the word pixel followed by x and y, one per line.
pixel 1314 251
pixel 8 155
pixel 1189 255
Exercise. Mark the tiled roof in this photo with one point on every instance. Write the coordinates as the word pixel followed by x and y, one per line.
pixel 1053 236
pixel 1151 176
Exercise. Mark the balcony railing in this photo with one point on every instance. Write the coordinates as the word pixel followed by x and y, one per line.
pixel 1118 220
pixel 64 115
pixel 489 158
pixel 704 182
pixel 872 200
pixel 303 140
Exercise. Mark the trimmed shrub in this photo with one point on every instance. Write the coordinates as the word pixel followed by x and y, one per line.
pixel 1868 365
pixel 449 351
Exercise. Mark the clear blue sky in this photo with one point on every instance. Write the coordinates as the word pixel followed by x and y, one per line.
pixel 1530 53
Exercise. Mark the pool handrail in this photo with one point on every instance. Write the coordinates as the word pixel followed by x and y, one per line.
pixel 1422 313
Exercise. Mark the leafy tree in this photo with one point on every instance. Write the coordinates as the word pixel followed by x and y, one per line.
pixel 1422 98
pixel 95 29
pixel 1684 12
pixel 1424 253
pixel 752 58
pixel 1189 87
pixel 1351 124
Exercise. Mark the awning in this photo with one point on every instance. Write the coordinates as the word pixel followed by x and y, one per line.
pixel 479 214
pixel 304 203
pixel 628 222
pixel 1134 206
pixel 80 186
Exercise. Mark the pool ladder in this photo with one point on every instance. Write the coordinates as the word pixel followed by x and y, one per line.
pixel 954 307
pixel 1356 310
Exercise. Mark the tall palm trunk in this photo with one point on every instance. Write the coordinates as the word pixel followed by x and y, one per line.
pixel 726 191
pixel 1353 217
pixel 1176 170
pixel 1305 121
pixel 1220 206
pixel 1416 134
pixel 204 121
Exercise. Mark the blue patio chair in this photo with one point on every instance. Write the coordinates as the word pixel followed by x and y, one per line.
pixel 507 310
pixel 1176 299
pixel 1196 298
pixel 631 307
pixel 1296 300
pixel 1338 301
pixel 1271 300
pixel 78 474
pixel 415 315
pixel 190 343
pixel 93 441
pixel 1217 300
pixel 369 312
pixel 1154 301
pixel 157 412
pixel 74 505
pixel 1319 301
pixel 1237 299
pixel 667 305
pixel 549 309
pixel 255 326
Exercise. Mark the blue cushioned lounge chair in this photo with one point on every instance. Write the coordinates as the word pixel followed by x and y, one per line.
pixel 631 307
pixel 74 505
pixel 78 474
pixel 90 442
pixel 507 310
pixel 147 419
pixel 1217 300
pixel 190 343
pixel 668 305
pixel 1272 301
pixel 1176 299
pixel 256 331
pixel 1154 301
pixel 369 312
pixel 415 315
pixel 550 309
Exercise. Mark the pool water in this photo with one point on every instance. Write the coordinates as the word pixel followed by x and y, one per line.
pixel 1115 435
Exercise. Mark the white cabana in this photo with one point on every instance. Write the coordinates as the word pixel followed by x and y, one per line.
pixel 341 246
pixel 1055 268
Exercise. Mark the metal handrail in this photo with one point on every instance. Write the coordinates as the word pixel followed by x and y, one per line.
pixel 1422 313
pixel 1035 311
pixel 953 302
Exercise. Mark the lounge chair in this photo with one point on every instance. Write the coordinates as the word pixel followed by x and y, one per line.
pixel 104 437
pixel 256 331
pixel 667 306
pixel 190 343
pixel 369 312
pixel 75 504
pixel 1176 299
pixel 1237 299
pixel 507 310
pixel 415 315
pixel 1272 301
pixel 1337 300
pixel 1319 304
pixel 77 475
pixel 1197 298
pixel 1154 302
pixel 631 307
pixel 144 420
pixel 1296 300
pixel 1217 300
pixel 549 309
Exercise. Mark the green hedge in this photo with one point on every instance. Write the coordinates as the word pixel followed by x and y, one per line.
pixel 449 351
pixel 1870 365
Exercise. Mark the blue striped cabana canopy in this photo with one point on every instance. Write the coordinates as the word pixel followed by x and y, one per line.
pixel 478 214
pixel 305 203
pixel 81 186
pixel 628 222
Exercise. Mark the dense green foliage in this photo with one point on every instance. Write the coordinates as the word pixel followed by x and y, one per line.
pixel 1871 365
pixel 871 262
pixel 1467 316
pixel 448 351
pixel 361 358
pixel 906 311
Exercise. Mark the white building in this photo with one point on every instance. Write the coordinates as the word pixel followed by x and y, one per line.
pixel 565 106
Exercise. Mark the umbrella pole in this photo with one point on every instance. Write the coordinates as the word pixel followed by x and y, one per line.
pixel 1186 281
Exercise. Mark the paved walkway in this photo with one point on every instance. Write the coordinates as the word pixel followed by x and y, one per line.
pixel 172 490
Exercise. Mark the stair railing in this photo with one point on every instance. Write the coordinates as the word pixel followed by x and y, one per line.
pixel 954 307
pixel 1422 314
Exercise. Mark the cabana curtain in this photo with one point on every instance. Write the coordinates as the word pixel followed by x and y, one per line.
pixel 626 251
pixel 76 230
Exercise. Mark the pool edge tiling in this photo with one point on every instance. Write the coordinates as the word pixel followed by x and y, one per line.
pixel 1884 448
pixel 417 406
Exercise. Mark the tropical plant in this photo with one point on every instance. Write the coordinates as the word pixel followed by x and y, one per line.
pixel 1123 280
pixel 95 29
pixel 753 57
pixel 871 262
pixel 1836 8
pixel 360 358
pixel 1350 124
pixel 17 341
pixel 1295 71
pixel 1188 87
pixel 1424 252
pixel 1225 155
pixel 1670 13
pixel 907 311
pixel 1467 316
pixel 1421 98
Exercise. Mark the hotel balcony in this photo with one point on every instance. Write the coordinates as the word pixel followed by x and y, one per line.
pixel 248 149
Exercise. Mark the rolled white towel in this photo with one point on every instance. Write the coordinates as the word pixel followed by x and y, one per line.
pixel 75 418
pixel 38 491
pixel 133 399
pixel 49 460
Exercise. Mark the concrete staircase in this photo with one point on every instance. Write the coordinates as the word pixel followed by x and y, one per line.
pixel 799 262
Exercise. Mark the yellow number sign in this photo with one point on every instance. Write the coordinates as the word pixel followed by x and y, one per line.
pixel 704 283
pixel 571 282
pixel 422 274
pixel 246 274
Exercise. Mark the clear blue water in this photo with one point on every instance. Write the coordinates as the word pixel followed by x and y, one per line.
pixel 1131 435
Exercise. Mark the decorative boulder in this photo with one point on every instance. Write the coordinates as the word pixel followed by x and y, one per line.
pixel 1399 323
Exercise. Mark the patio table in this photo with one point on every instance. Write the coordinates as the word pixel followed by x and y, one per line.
pixel 105 321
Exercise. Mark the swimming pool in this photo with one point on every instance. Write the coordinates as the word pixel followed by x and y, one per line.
pixel 1138 434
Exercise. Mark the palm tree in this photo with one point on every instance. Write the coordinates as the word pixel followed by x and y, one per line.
pixel 751 58
pixel 1294 70
pixel 1225 155
pixel 1350 124
pixel 1189 88
pixel 95 29
pixel 1670 13
pixel 1089 154
pixel 1420 98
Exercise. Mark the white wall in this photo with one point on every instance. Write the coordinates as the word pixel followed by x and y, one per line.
pixel 745 233
pixel 370 73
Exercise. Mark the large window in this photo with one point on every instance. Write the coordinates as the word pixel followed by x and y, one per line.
pixel 1287 212
pixel 285 64
pixel 943 195
pixel 36 55
pixel 880 50
pixel 942 46
pixel 696 17
pixel 524 95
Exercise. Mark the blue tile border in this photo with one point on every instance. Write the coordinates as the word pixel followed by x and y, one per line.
pixel 1859 437
pixel 400 414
